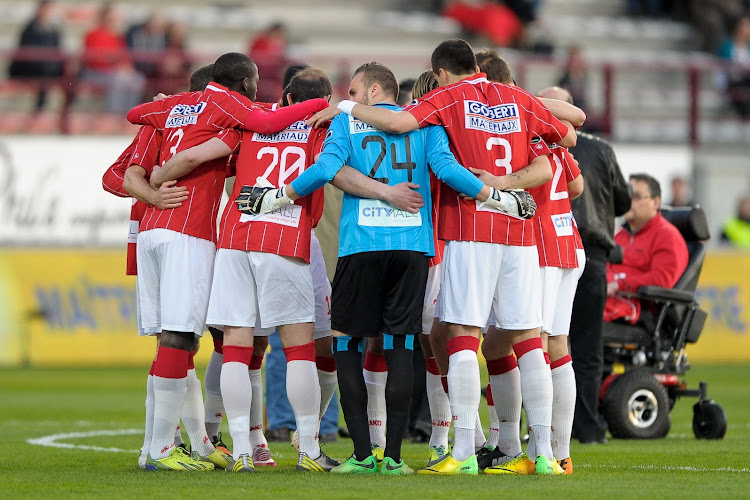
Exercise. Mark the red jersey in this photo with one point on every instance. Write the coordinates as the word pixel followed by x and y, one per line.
pixel 489 126
pixel 556 233
pixel 192 118
pixel 279 159
pixel 113 178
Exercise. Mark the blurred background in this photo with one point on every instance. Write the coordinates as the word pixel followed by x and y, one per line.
pixel 666 81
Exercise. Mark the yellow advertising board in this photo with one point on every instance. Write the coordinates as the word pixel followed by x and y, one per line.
pixel 76 307
pixel 69 307
pixel 724 292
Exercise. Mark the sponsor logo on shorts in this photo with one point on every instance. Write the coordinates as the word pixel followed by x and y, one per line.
pixel 377 213
pixel 185 114
pixel 563 224
pixel 296 132
pixel 499 119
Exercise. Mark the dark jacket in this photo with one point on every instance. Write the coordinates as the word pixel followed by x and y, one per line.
pixel 606 195
pixel 36 36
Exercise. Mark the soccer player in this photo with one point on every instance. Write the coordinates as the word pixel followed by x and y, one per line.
pixel 381 275
pixel 490 257
pixel 176 247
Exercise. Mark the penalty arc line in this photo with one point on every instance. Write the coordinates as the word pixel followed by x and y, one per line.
pixel 52 440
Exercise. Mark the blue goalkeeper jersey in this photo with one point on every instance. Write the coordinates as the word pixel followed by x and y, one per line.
pixel 372 225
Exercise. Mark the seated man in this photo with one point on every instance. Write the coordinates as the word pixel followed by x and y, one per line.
pixel 654 252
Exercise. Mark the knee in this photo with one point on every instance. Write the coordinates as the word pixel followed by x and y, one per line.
pixel 183 341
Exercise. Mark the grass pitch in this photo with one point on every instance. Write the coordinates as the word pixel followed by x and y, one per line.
pixel 103 408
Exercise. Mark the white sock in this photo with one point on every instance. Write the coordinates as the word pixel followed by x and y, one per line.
pixel 169 394
pixel 237 392
pixel 479 438
pixel 178 441
pixel 506 391
pixel 257 437
pixel 494 422
pixel 328 383
pixel 464 387
pixel 440 411
pixel 563 408
pixel 214 406
pixel 149 414
pixel 376 411
pixel 193 415
pixel 536 391
pixel 303 391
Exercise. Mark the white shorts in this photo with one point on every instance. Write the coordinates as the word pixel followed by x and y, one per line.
pixel 260 290
pixel 322 290
pixel 558 291
pixel 478 277
pixel 174 281
pixel 429 310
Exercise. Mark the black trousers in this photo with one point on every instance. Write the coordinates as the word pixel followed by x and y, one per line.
pixel 586 345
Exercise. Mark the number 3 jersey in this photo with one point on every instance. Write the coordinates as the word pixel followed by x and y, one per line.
pixel 557 236
pixel 279 159
pixel 369 225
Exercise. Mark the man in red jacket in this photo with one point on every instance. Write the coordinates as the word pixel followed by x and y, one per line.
pixel 654 252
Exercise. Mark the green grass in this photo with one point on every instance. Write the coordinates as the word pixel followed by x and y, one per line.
pixel 40 402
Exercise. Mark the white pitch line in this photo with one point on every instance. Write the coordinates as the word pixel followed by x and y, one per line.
pixel 52 440
pixel 666 467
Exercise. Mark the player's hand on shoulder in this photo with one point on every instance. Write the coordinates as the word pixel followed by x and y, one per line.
pixel 169 195
pixel 322 116
pixel 160 96
pixel 405 197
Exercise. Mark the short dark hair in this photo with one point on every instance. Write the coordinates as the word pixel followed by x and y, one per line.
pixel 404 90
pixel 308 84
pixel 291 71
pixel 232 68
pixel 494 66
pixel 201 77
pixel 455 56
pixel 374 72
pixel 654 189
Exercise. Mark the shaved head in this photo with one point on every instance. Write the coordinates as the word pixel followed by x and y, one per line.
pixel 557 93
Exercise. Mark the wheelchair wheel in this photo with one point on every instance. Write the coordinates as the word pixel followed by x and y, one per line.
pixel 637 407
pixel 709 420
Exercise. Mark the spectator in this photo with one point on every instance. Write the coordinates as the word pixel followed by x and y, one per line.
pixel 574 78
pixel 268 50
pixel 654 252
pixel 606 196
pixel 712 19
pixel 736 230
pixel 681 192
pixel 147 42
pixel 107 63
pixel 175 65
pixel 41 32
pixel 404 91
pixel 735 50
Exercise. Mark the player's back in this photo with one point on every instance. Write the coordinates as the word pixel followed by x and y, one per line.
pixel 373 225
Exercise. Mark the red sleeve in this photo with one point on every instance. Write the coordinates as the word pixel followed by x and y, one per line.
pixel 146 153
pixel 538 148
pixel 571 167
pixel 232 138
pixel 152 113
pixel 426 109
pixel 270 122
pixel 114 176
pixel 540 120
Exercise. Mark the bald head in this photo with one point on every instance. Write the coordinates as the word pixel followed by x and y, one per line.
pixel 556 93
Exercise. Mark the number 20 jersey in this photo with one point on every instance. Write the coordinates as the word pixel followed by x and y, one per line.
pixel 279 158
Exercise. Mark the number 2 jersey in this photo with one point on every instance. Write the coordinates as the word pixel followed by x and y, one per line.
pixel 279 159
pixel 371 225
pixel 555 228
pixel 491 127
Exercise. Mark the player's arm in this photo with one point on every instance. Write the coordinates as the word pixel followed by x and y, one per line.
pixel 387 120
pixel 565 111
pixel 270 122
pixel 534 174
pixel 167 196
pixel 153 113
pixel 402 195
pixel 186 161
pixel 575 187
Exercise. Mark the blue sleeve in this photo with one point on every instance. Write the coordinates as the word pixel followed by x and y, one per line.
pixel 445 166
pixel 336 151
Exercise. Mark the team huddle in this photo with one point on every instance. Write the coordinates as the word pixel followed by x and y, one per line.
pixel 455 223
